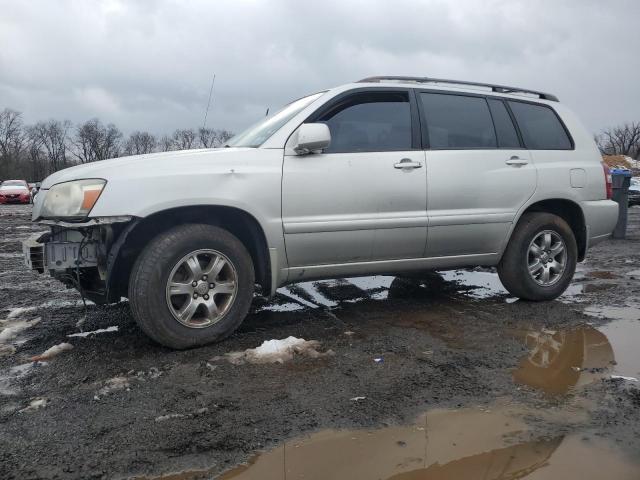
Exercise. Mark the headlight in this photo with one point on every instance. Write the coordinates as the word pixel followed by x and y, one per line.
pixel 72 199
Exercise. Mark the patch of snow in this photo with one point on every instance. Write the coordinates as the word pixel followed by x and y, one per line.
pixel 35 404
pixel 622 377
pixel 616 313
pixel 357 399
pixel 383 295
pixel 13 373
pixel 52 352
pixel 169 416
pixel 112 385
pixel 486 284
pixel 276 351
pixel 14 312
pixel 94 332
pixel 634 273
pixel 12 329
pixel 311 288
pixel 282 307
pixel 287 293
pixel 372 283
pixel 483 284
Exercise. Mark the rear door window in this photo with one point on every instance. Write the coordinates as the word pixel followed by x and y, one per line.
pixel 505 129
pixel 458 121
pixel 540 127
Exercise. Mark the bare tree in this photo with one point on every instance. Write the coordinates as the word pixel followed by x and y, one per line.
pixel 94 141
pixel 165 144
pixel 12 140
pixel 184 139
pixel 621 140
pixel 37 169
pixel 210 138
pixel 38 150
pixel 140 143
pixel 52 138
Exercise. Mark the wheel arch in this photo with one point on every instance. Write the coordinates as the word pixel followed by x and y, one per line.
pixel 134 237
pixel 570 212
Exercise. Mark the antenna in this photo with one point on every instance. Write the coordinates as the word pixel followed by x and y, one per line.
pixel 267 113
pixel 213 81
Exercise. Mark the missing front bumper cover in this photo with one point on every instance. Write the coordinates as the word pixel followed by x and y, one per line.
pixel 58 255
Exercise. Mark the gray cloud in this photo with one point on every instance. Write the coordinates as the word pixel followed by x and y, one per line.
pixel 148 64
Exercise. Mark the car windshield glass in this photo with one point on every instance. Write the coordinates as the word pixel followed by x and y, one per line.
pixel 257 134
pixel 13 186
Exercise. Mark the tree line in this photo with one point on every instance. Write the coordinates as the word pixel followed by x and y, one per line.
pixel 621 140
pixel 32 152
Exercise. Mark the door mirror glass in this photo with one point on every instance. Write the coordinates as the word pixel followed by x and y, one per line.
pixel 311 137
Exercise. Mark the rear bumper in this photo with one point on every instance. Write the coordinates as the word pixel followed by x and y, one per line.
pixel 600 217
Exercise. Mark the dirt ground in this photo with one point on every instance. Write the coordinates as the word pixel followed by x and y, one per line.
pixel 441 375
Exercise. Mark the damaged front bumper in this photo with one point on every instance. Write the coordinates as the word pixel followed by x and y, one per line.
pixel 76 253
pixel 43 254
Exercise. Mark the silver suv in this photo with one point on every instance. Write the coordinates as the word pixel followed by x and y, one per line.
pixel 385 175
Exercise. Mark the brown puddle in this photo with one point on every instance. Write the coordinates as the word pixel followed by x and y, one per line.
pixel 442 444
pixel 562 360
pixel 559 361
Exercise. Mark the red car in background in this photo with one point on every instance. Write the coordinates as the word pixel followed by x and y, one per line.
pixel 14 191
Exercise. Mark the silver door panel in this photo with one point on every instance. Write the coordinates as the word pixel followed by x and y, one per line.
pixel 396 243
pixel 467 239
pixel 320 248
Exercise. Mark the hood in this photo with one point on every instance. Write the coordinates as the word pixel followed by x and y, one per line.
pixel 146 165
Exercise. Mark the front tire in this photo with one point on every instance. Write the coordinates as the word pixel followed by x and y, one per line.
pixel 540 259
pixel 192 285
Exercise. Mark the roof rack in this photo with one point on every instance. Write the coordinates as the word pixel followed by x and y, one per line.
pixel 494 88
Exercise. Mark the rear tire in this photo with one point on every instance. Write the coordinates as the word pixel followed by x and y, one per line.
pixel 173 300
pixel 540 259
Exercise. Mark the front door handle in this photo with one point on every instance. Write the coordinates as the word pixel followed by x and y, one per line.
pixel 516 161
pixel 407 163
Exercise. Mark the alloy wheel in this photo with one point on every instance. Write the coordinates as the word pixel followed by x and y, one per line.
pixel 547 258
pixel 201 288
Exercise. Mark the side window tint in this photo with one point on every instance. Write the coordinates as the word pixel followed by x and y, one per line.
pixel 541 129
pixel 457 121
pixel 505 130
pixel 370 122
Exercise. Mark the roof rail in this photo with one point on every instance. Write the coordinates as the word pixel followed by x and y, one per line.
pixel 494 88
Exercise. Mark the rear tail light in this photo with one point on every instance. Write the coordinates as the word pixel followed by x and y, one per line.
pixel 607 181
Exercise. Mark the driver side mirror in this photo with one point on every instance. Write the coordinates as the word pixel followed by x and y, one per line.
pixel 311 137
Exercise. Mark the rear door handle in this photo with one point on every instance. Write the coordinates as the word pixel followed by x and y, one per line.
pixel 407 163
pixel 516 161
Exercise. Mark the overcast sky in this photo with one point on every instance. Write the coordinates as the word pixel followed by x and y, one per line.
pixel 148 64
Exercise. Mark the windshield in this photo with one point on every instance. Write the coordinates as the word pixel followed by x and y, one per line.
pixel 13 186
pixel 258 133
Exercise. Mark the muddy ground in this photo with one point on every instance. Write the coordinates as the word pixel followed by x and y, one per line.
pixel 442 375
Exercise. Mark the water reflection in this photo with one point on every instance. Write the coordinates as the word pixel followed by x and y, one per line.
pixel 442 444
pixel 559 361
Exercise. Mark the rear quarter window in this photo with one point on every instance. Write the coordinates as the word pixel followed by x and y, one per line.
pixel 540 127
